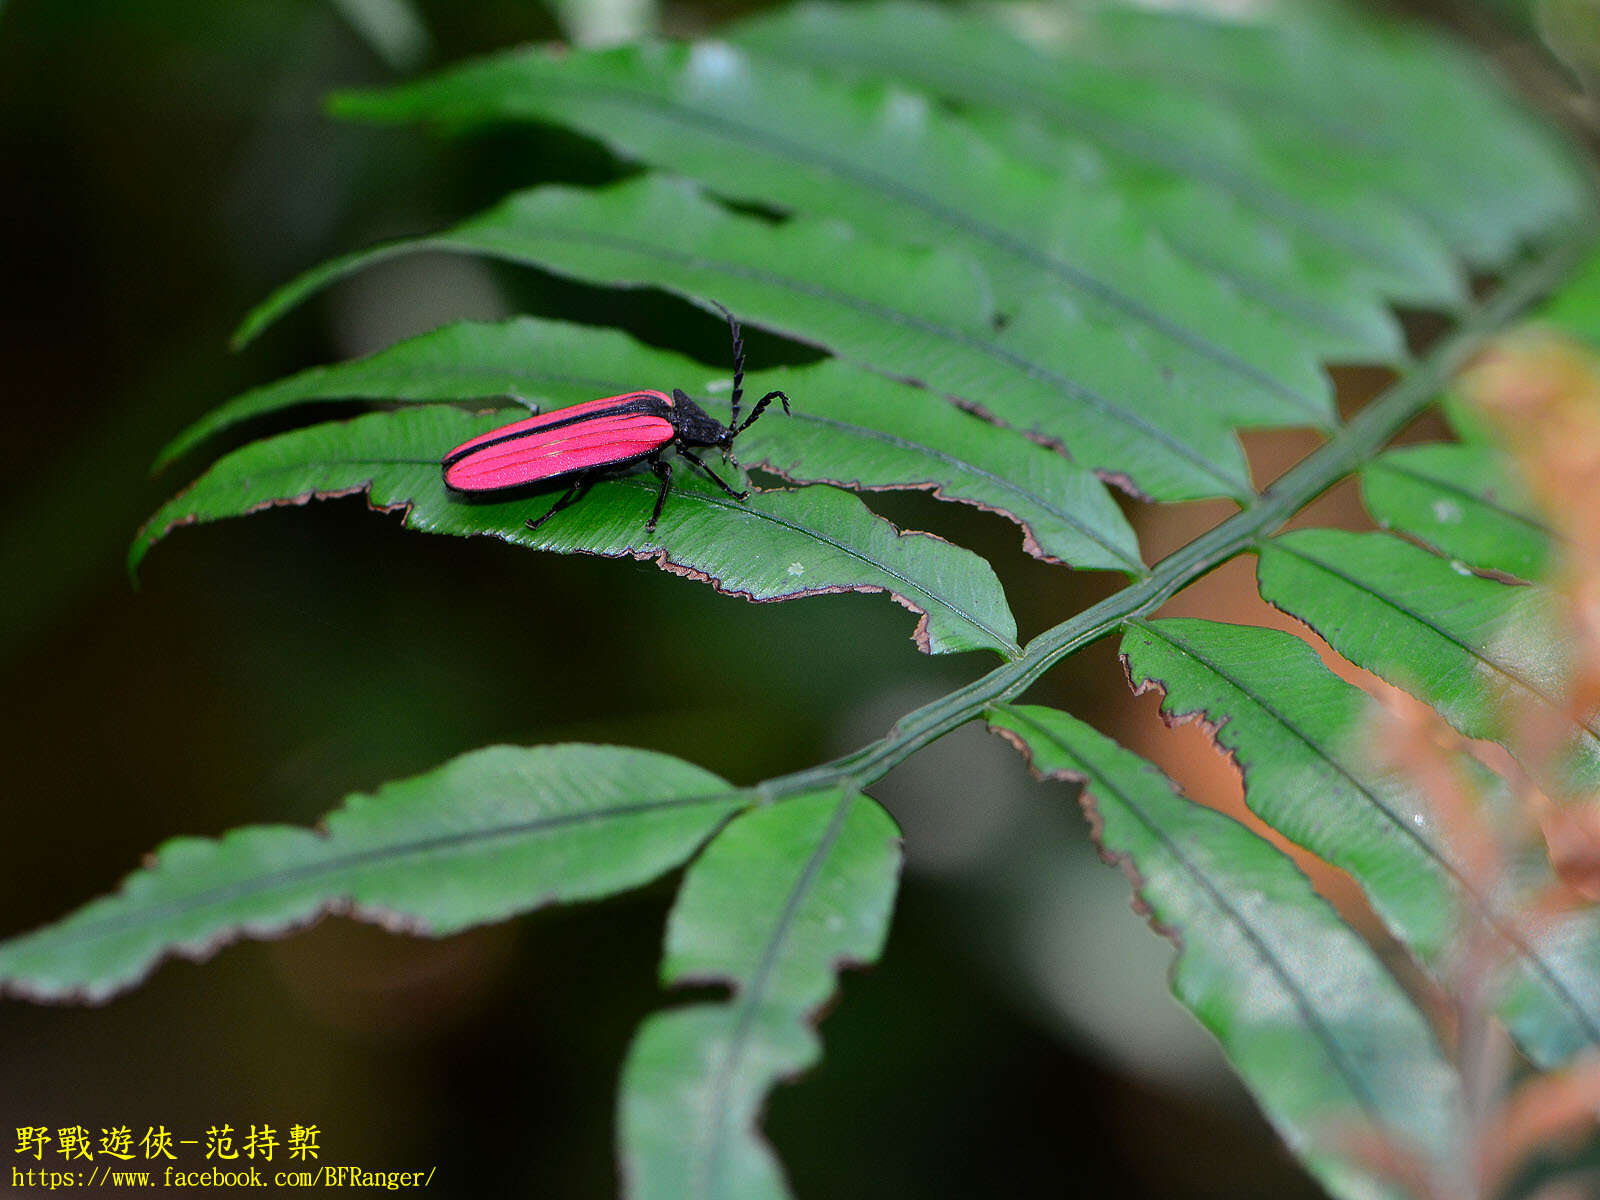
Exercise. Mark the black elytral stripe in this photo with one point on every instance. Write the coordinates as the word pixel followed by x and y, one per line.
pixel 643 402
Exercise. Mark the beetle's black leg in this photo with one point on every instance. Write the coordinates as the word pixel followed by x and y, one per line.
pixel 738 366
pixel 663 470
pixel 580 485
pixel 761 407
pixel 715 478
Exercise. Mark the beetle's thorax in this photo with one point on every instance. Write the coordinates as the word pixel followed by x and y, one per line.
pixel 695 426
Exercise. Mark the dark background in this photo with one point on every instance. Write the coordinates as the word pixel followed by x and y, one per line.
pixel 165 164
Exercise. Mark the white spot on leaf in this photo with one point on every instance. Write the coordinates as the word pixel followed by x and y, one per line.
pixel 797 568
pixel 906 108
pixel 714 61
pixel 1446 512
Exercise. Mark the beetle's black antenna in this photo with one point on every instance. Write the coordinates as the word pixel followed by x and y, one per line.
pixel 761 407
pixel 738 366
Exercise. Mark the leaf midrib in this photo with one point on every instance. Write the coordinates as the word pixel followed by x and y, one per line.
pixel 968 467
pixel 962 466
pixel 989 349
pixel 750 997
pixel 1002 643
pixel 1137 144
pixel 1331 1046
pixel 288 877
pixel 1400 467
pixel 1509 673
pixel 660 106
pixel 1133 142
pixel 1285 106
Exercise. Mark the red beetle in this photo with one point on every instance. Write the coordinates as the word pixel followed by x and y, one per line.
pixel 601 437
